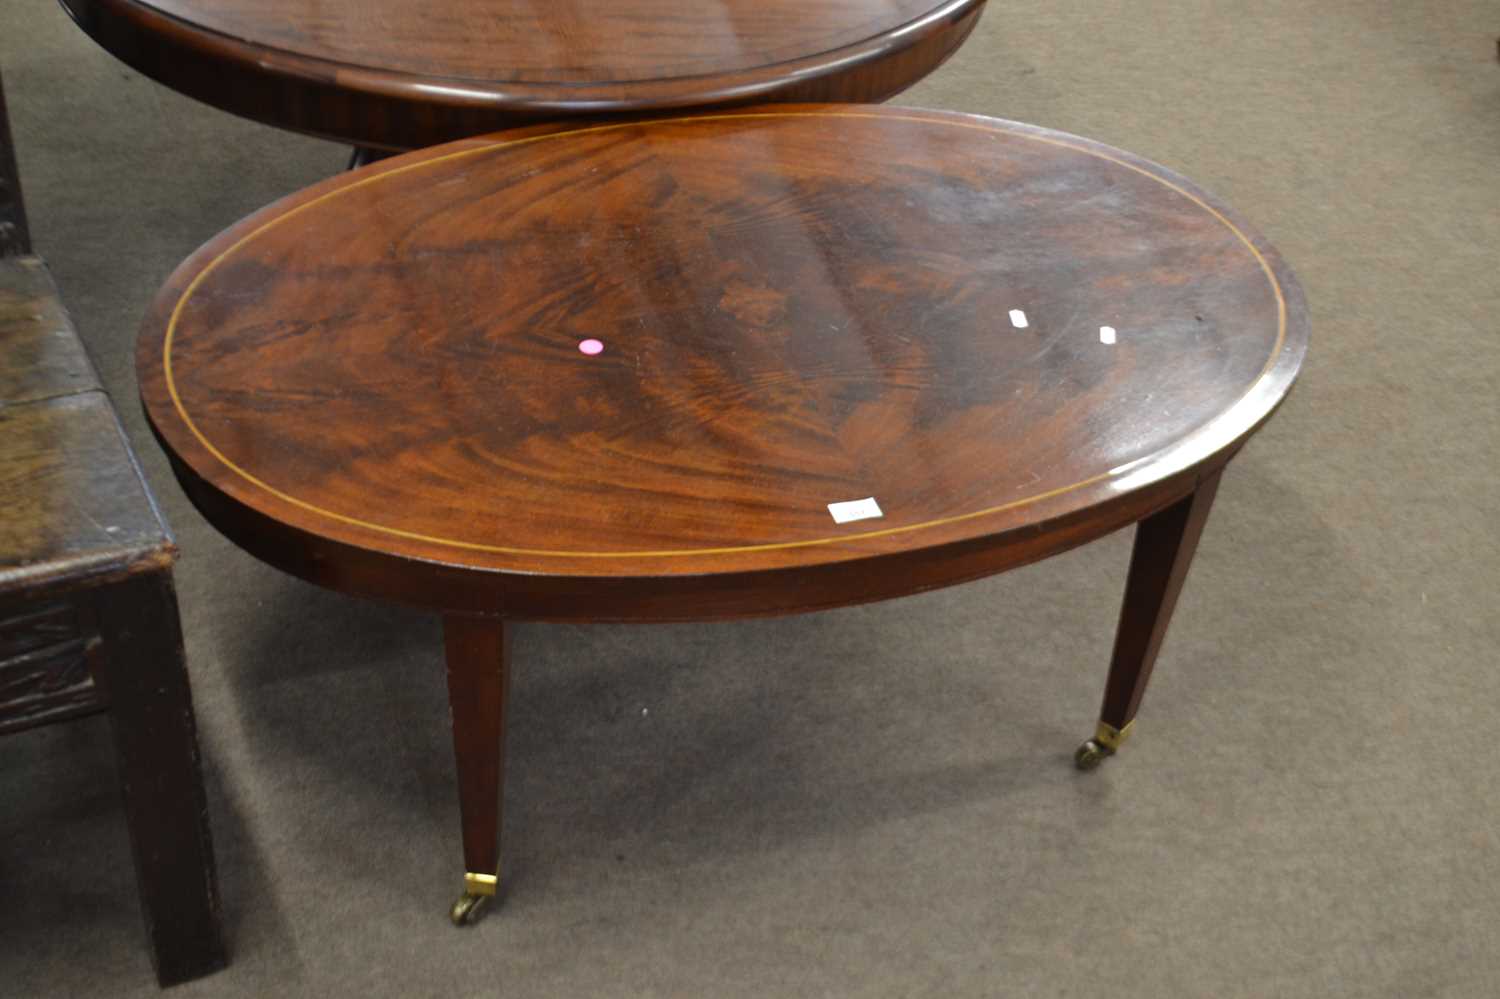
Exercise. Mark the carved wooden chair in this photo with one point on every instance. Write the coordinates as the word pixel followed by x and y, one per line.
pixel 88 614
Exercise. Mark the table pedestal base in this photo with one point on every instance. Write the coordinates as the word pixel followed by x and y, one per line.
pixel 365 155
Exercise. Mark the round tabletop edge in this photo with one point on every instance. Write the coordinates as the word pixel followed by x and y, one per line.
pixel 103 20
pixel 1172 465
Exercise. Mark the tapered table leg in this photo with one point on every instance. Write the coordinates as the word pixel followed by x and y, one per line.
pixel 151 709
pixel 478 681
pixel 1164 546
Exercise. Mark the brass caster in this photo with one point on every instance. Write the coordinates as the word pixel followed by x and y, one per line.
pixel 1091 754
pixel 1105 743
pixel 467 910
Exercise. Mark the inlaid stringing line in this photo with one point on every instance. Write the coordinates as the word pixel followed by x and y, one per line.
pixel 685 552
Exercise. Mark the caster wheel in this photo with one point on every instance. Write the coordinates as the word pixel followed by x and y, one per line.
pixel 1091 754
pixel 467 910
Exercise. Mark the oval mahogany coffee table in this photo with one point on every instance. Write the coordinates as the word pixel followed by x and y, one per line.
pixel 708 367
pixel 404 74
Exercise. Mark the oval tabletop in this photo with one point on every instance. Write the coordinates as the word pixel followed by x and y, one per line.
pixel 747 362
pixel 403 74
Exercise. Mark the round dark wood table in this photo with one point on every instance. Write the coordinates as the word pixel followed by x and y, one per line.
pixel 756 362
pixel 404 74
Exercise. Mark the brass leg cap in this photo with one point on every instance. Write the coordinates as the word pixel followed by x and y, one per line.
pixel 1105 743
pixel 1091 754
pixel 469 907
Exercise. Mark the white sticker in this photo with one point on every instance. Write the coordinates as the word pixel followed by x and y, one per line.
pixel 855 510
pixel 1106 334
pixel 1018 319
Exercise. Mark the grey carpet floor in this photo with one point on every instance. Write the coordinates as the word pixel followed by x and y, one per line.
pixel 879 801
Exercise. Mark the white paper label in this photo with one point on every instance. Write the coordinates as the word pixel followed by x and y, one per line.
pixel 855 510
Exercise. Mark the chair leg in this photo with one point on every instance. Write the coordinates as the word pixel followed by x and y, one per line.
pixel 151 709
pixel 1164 547
pixel 478 682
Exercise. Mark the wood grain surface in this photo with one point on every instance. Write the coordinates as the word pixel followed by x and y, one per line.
pixel 378 383
pixel 73 507
pixel 399 74
pixel 41 356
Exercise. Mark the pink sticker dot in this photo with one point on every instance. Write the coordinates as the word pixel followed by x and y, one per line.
pixel 591 346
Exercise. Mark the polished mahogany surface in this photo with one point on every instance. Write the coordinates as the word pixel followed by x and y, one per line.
pixel 613 371
pixel 409 73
